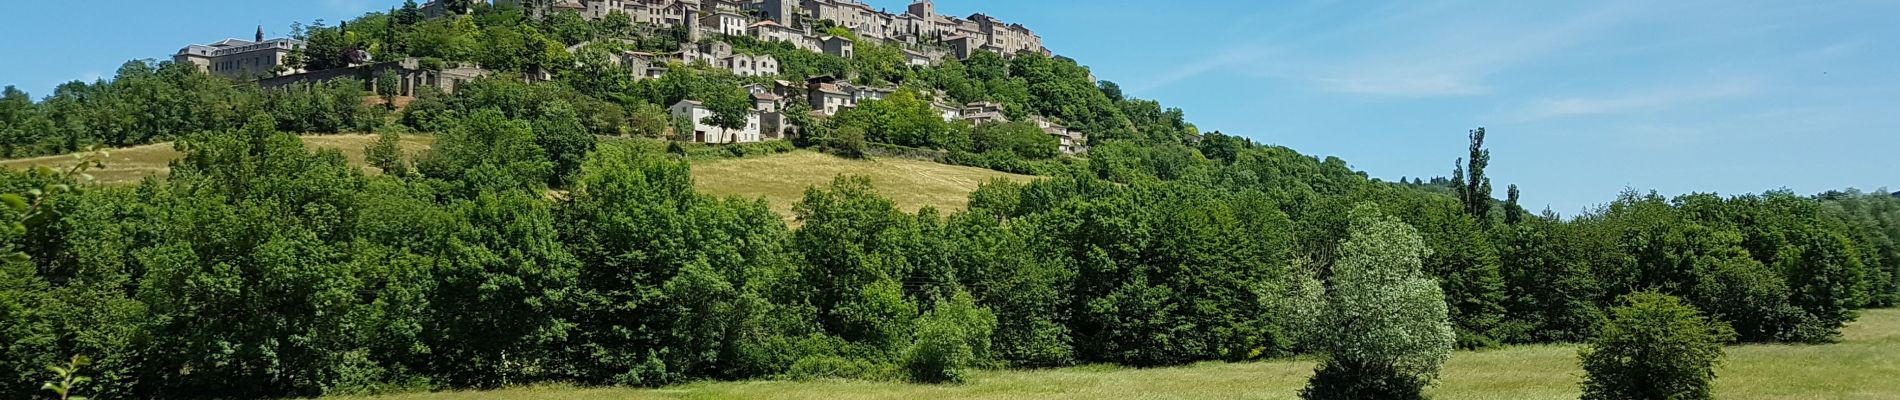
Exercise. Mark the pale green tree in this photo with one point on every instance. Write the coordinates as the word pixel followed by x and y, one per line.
pixel 1384 329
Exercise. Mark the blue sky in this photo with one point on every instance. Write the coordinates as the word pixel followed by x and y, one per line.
pixel 1582 99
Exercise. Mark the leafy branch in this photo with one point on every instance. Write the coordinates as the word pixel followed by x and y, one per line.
pixel 69 378
pixel 32 204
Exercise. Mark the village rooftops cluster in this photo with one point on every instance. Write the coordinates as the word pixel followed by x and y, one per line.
pixel 923 36
pixel 827 97
pixel 927 34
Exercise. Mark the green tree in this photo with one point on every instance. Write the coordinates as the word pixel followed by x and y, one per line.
pixel 1472 185
pixel 649 120
pixel 730 107
pixel 953 337
pixel 1653 347
pixel 559 132
pixel 852 258
pixel 386 154
pixel 1385 329
pixel 487 150
pixel 388 85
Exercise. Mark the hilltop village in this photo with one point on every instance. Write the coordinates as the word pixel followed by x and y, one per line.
pixel 703 29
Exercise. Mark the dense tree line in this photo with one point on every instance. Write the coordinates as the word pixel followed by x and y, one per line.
pixel 155 102
pixel 263 269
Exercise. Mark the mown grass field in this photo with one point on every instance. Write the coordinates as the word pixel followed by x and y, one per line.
pixel 779 179
pixel 132 164
pixel 1865 365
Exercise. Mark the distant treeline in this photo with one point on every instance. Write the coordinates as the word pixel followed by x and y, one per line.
pixel 263 269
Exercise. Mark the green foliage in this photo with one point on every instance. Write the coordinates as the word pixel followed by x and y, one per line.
pixel 1469 180
pixel 386 154
pixel 1653 347
pixel 649 121
pixel 560 132
pixel 853 262
pixel 1350 380
pixel 1021 139
pixel 674 279
pixel 902 119
pixel 952 338
pixel 69 378
pixel 148 103
pixel 1551 288
pixel 1385 329
pixel 488 151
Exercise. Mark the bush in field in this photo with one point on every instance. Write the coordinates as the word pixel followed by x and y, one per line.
pixel 1653 347
pixel 1385 328
pixel 951 339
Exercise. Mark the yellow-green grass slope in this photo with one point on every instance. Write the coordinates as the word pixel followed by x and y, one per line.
pixel 780 179
pixel 1865 365
pixel 132 164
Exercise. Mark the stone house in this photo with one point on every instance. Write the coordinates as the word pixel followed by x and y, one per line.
pixel 240 59
pixel 1068 141
pixel 979 113
pixel 725 22
pixel 850 14
pixel 828 99
pixel 950 113
pixel 773 124
pixel 750 65
pixel 862 93
pixel 917 58
pixel 696 113
pixel 410 75
pixel 642 65
pixel 710 52
pixel 837 46
pixel 771 31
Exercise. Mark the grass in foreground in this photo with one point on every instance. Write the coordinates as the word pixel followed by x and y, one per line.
pixel 1863 366
pixel 132 164
pixel 782 179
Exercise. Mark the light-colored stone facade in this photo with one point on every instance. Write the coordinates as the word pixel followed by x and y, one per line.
pixel 410 75
pixel 696 113
pixel 918 27
pixel 241 59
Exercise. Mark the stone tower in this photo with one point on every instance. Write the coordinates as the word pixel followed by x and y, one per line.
pixel 923 8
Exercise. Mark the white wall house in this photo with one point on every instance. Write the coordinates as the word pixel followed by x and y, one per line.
pixel 707 133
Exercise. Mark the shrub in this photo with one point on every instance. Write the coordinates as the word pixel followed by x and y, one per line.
pixel 1385 328
pixel 950 339
pixel 1349 380
pixel 1653 347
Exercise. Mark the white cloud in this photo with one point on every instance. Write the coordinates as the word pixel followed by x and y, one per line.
pixel 1644 101
pixel 1405 85
pixel 1408 49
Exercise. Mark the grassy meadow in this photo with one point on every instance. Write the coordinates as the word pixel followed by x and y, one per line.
pixel 780 179
pixel 131 164
pixel 1864 365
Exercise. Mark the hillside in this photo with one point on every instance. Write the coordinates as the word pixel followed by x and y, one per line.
pixel 129 165
pixel 1859 367
pixel 780 179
